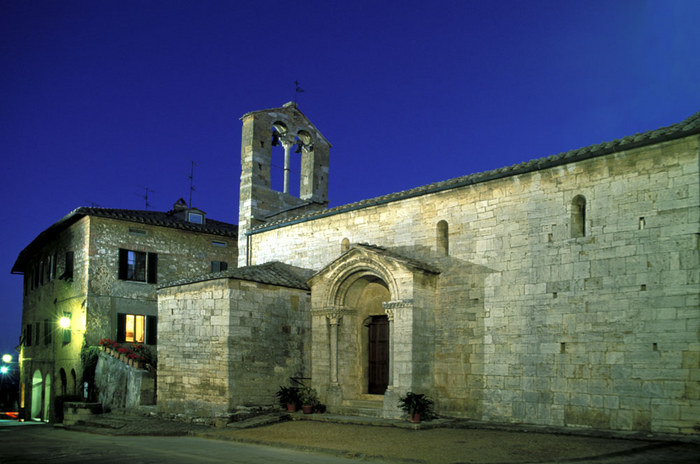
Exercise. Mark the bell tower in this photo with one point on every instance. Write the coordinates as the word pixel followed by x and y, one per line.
pixel 267 135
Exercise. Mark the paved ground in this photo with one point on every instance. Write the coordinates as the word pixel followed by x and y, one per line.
pixel 394 441
pixel 32 443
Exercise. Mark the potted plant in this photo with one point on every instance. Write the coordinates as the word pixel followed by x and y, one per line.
pixel 417 405
pixel 309 399
pixel 289 398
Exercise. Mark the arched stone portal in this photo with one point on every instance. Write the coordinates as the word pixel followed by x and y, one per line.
pixel 37 391
pixel 371 364
pixel 363 325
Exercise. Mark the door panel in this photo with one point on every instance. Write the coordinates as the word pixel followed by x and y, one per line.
pixel 378 354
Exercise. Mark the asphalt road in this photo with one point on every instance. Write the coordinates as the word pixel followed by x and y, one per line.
pixel 40 443
pixel 301 441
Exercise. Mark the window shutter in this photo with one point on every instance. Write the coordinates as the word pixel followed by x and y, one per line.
pixel 68 273
pixel 152 268
pixel 123 263
pixel 223 265
pixel 151 330
pixel 121 327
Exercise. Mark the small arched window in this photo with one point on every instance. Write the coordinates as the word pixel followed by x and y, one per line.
pixel 344 245
pixel 578 216
pixel 443 241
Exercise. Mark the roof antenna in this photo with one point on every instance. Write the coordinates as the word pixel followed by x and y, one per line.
pixel 297 90
pixel 191 176
pixel 146 191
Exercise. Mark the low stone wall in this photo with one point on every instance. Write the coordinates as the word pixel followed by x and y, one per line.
pixel 122 386
pixel 75 412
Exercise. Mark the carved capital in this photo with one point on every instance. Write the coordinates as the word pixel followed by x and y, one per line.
pixel 333 313
pixel 391 307
pixel 389 314
pixel 397 304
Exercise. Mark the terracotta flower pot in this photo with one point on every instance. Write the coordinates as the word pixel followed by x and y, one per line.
pixel 291 407
pixel 307 408
pixel 415 418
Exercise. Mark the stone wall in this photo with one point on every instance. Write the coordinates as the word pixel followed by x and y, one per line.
pixel 52 358
pixel 181 254
pixel 227 343
pixel 121 386
pixel 94 295
pixel 539 321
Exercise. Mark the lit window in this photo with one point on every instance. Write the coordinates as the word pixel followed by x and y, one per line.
pixel 218 244
pixel 134 330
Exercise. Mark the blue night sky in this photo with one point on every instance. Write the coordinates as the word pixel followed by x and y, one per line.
pixel 102 99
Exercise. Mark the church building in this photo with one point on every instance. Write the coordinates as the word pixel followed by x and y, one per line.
pixel 561 291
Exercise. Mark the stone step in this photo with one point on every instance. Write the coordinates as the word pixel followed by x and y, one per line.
pixel 369 408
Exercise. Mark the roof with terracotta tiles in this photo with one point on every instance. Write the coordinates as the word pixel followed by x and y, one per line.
pixel 272 273
pixel 155 218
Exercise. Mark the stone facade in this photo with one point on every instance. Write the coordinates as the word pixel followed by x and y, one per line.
pixel 232 340
pixel 560 292
pixel 72 270
pixel 259 202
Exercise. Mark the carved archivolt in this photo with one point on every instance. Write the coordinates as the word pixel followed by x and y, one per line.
pixel 347 272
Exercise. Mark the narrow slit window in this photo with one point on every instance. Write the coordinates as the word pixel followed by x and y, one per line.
pixel 578 216
pixel 443 241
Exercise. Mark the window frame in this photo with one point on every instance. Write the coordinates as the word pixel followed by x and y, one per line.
pixel 149 328
pixel 219 266
pixel 133 272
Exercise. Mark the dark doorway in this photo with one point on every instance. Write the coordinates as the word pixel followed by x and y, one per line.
pixel 378 350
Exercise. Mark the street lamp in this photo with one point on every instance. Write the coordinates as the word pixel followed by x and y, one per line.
pixel 64 322
pixel 7 359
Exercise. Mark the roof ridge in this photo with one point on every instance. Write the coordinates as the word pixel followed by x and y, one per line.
pixel 688 126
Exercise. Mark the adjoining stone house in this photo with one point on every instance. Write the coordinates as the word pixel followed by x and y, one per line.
pixel 99 268
pixel 561 291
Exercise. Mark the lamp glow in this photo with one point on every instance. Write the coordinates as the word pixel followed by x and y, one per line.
pixel 6 358
pixel 4 369
pixel 64 322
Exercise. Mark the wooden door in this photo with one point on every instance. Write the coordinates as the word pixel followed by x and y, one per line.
pixel 378 350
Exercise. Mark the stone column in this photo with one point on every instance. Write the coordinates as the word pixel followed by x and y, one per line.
pixel 392 310
pixel 287 145
pixel 390 316
pixel 333 315
pixel 333 321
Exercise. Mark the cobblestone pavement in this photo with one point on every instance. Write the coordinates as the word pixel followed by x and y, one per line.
pixel 394 441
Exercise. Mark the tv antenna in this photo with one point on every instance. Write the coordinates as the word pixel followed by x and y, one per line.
pixel 146 191
pixel 191 177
